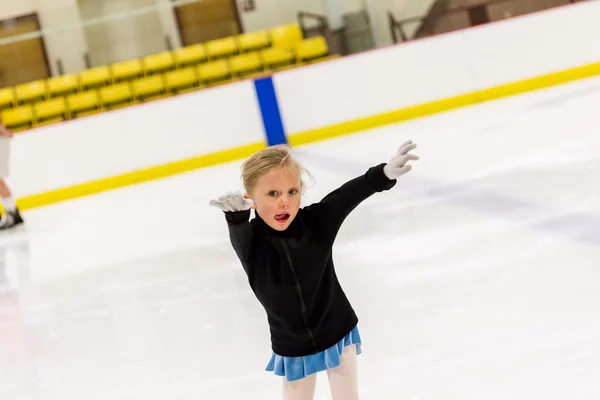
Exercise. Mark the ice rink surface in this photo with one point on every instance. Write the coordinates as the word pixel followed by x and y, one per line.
pixel 476 277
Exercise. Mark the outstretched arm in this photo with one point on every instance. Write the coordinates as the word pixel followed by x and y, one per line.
pixel 333 209
pixel 237 215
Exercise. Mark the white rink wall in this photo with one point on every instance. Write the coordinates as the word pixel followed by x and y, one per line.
pixel 133 138
pixel 312 97
pixel 438 67
pixel 373 82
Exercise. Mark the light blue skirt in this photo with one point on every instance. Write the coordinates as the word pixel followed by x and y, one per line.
pixel 294 368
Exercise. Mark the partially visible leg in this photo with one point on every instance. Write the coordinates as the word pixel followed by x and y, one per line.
pixel 11 216
pixel 343 380
pixel 8 203
pixel 4 190
pixel 302 389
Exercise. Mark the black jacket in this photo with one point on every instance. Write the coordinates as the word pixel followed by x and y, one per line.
pixel 292 274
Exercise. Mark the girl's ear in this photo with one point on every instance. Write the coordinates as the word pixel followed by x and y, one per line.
pixel 247 196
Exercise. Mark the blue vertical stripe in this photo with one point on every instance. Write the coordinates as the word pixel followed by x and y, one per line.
pixel 269 109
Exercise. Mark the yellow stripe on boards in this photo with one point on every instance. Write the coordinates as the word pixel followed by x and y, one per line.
pixel 540 82
pixel 451 103
pixel 376 121
pixel 313 135
pixel 144 175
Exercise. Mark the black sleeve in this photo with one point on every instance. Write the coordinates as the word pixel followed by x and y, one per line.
pixel 331 212
pixel 241 236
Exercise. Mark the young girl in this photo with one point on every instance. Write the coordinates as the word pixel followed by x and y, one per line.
pixel 286 252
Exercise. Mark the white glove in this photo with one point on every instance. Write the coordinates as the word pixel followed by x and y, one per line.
pixel 398 165
pixel 232 202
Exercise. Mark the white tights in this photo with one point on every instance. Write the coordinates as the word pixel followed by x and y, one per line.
pixel 343 381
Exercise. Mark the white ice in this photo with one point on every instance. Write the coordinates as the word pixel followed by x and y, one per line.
pixel 476 278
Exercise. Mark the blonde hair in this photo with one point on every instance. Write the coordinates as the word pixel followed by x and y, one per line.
pixel 277 156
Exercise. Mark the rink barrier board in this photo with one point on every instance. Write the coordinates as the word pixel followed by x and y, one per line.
pixel 314 135
pixel 448 104
pixel 144 175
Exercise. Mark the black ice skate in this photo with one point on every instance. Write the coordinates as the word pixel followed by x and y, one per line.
pixel 10 220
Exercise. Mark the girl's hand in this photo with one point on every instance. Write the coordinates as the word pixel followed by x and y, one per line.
pixel 232 202
pixel 398 165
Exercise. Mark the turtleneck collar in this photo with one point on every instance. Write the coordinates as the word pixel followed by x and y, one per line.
pixel 290 231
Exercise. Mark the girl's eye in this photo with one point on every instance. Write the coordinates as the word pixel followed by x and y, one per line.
pixel 293 191
pixel 272 193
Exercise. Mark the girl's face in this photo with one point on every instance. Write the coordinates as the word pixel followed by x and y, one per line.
pixel 277 197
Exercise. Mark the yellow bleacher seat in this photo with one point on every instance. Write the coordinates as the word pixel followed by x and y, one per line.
pixel 214 71
pixel 7 97
pixel 149 87
pixel 245 64
pixel 31 91
pixel 311 49
pixel 116 95
pixel 276 57
pixel 94 77
pixel 253 41
pixel 18 118
pixel 220 48
pixel 190 55
pixel 156 63
pixel 181 79
pixel 126 70
pixel 286 36
pixel 84 103
pixel 52 110
pixel 62 85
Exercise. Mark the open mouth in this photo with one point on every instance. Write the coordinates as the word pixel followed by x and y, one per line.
pixel 282 218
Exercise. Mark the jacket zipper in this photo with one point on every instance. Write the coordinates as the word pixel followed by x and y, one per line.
pixel 287 254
